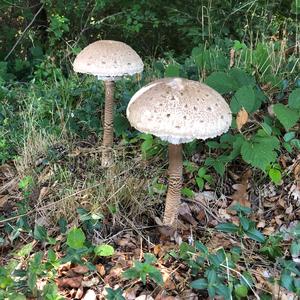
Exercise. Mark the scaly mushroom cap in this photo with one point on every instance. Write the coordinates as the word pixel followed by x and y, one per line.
pixel 179 110
pixel 109 60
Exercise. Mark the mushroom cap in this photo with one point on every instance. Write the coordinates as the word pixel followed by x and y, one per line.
pixel 109 60
pixel 179 110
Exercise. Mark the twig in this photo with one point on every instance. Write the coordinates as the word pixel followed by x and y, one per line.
pixel 22 35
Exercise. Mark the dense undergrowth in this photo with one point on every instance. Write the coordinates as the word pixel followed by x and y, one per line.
pixel 69 227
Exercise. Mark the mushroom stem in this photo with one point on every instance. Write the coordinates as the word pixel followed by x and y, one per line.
pixel 175 183
pixel 108 135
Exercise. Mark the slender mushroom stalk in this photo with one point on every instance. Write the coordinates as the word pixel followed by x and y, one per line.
pixel 108 128
pixel 175 183
pixel 109 61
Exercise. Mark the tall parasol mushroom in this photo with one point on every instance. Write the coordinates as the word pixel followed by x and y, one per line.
pixel 109 61
pixel 178 111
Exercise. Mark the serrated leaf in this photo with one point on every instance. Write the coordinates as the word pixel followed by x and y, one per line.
pixel 75 238
pixel 200 183
pixel 243 98
pixel 241 77
pixel 294 99
pixel 227 227
pixel 289 136
pixel 260 151
pixel 221 82
pixel 286 116
pixel 104 250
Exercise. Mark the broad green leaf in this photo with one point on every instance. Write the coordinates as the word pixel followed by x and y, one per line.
pixel 199 284
pixel 296 143
pixel 244 97
pixel 227 227
pixel 245 223
pixel 241 290
pixel 150 258
pixel 75 238
pixel 275 175
pixel 256 235
pixel 295 248
pixel 286 280
pixel 172 71
pixel 286 116
pixel 294 99
pixel 221 82
pixel 241 77
pixel 201 172
pixel 25 250
pixel 260 151
pixel 155 275
pixel 104 250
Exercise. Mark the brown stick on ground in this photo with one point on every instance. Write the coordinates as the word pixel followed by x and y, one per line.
pixel 108 128
pixel 175 183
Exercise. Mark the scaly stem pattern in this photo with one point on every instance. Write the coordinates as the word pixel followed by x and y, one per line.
pixel 175 184
pixel 108 128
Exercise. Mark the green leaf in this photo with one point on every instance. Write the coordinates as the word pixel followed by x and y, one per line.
pixel 241 77
pixel 200 183
pixel 260 151
pixel 267 128
pixel 256 235
pixel 75 238
pixel 227 227
pixel 104 250
pixel 275 175
pixel 120 124
pixel 241 290
pixel 199 284
pixel 187 192
pixel 25 250
pixel 244 97
pixel 245 222
pixel 295 248
pixel 295 143
pixel 221 82
pixel 40 233
pixel 286 280
pixel 172 71
pixel 289 136
pixel 201 172
pixel 294 99
pixel 155 275
pixel 286 116
pixel 149 258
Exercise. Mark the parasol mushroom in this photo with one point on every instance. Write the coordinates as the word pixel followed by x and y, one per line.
pixel 109 61
pixel 178 111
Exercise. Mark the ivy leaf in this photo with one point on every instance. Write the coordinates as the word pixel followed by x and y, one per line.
pixel 260 151
pixel 243 98
pixel 221 82
pixel 76 238
pixel 286 116
pixel 294 99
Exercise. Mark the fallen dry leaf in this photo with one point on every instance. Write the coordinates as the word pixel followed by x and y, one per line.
pixel 80 269
pixel 79 293
pixel 74 282
pixel 3 200
pixel 241 195
pixel 241 118
pixel 89 283
pixel 100 269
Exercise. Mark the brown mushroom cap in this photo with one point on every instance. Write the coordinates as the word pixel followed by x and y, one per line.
pixel 109 60
pixel 179 110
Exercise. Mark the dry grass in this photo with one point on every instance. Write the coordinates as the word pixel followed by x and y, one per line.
pixel 71 177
